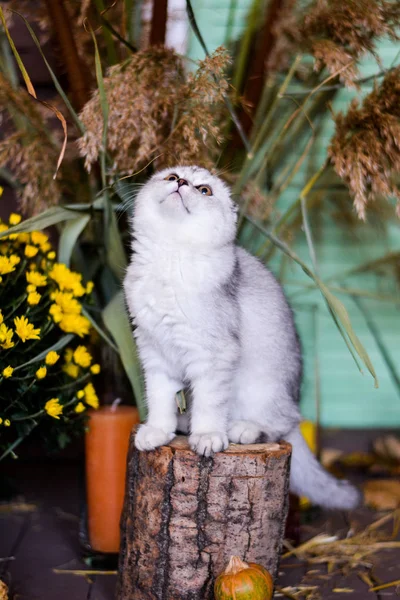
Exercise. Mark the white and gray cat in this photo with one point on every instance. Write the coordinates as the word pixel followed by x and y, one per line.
pixel 210 317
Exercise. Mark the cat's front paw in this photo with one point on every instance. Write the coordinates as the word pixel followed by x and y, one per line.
pixel 206 444
pixel 148 437
pixel 243 432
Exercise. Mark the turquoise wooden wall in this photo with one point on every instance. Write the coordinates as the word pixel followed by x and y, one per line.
pixel 347 398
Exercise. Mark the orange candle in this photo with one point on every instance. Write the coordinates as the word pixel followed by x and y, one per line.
pixel 106 451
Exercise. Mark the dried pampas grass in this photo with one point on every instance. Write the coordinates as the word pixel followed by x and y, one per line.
pixel 156 109
pixel 365 149
pixel 339 33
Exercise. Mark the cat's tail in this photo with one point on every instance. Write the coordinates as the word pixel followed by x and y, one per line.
pixel 308 478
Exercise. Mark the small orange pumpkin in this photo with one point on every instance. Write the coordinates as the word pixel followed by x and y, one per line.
pixel 243 581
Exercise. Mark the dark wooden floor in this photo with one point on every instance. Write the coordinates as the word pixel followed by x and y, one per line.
pixel 42 535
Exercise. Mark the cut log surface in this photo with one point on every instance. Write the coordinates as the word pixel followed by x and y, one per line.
pixel 184 516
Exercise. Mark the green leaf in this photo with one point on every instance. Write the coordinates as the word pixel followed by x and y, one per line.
pixel 99 330
pixel 116 320
pixel 51 216
pixel 104 106
pixel 69 236
pixel 66 339
pixel 336 307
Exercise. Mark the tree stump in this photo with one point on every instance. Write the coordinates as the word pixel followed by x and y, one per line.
pixel 184 516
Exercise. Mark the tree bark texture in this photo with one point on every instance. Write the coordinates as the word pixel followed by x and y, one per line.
pixel 184 516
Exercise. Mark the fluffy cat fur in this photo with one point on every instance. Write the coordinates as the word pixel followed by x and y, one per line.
pixel 210 317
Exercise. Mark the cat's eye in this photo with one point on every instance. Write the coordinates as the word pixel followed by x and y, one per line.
pixel 204 189
pixel 171 177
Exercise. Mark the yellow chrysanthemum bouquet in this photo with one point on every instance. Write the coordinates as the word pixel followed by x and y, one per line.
pixel 45 368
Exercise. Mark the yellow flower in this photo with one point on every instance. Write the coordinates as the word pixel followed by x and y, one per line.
pixel 41 373
pixel 66 279
pixel 6 335
pixel 53 408
pixel 67 302
pixel 82 357
pixel 91 396
pixel 7 423
pixel 7 372
pixel 31 251
pixel 1 317
pixel 80 407
pixel 8 263
pixel 80 394
pixel 14 219
pixel 95 369
pixel 14 259
pixel 38 238
pixel 51 255
pixel 71 370
pixel 23 238
pixel 1 420
pixel 51 357
pixel 56 312
pixel 89 287
pixel 25 330
pixel 31 288
pixel 34 298
pixel 35 278
pixel 32 266
pixel 75 324
pixel 3 227
pixel 69 354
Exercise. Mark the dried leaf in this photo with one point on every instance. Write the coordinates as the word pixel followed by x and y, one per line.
pixel 357 459
pixel 382 494
pixel 388 447
pixel 3 591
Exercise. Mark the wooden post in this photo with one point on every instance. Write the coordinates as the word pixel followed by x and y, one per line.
pixel 184 516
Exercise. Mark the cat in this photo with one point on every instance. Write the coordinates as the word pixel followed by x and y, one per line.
pixel 209 316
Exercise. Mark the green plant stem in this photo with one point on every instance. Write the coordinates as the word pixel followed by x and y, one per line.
pixel 42 412
pixel 241 62
pixel 17 442
pixel 108 38
pixel 117 35
pixel 72 384
pixel 293 208
pixel 247 166
pixel 230 22
pixel 129 25
pixel 308 287
pixel 338 86
pixel 307 231
pixel 317 381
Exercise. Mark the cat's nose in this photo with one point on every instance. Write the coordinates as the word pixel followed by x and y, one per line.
pixel 182 182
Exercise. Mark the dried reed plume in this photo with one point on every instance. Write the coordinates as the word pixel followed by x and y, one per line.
pixel 365 149
pixel 339 33
pixel 29 152
pixel 155 109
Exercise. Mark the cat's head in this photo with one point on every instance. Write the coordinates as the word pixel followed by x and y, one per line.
pixel 186 205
